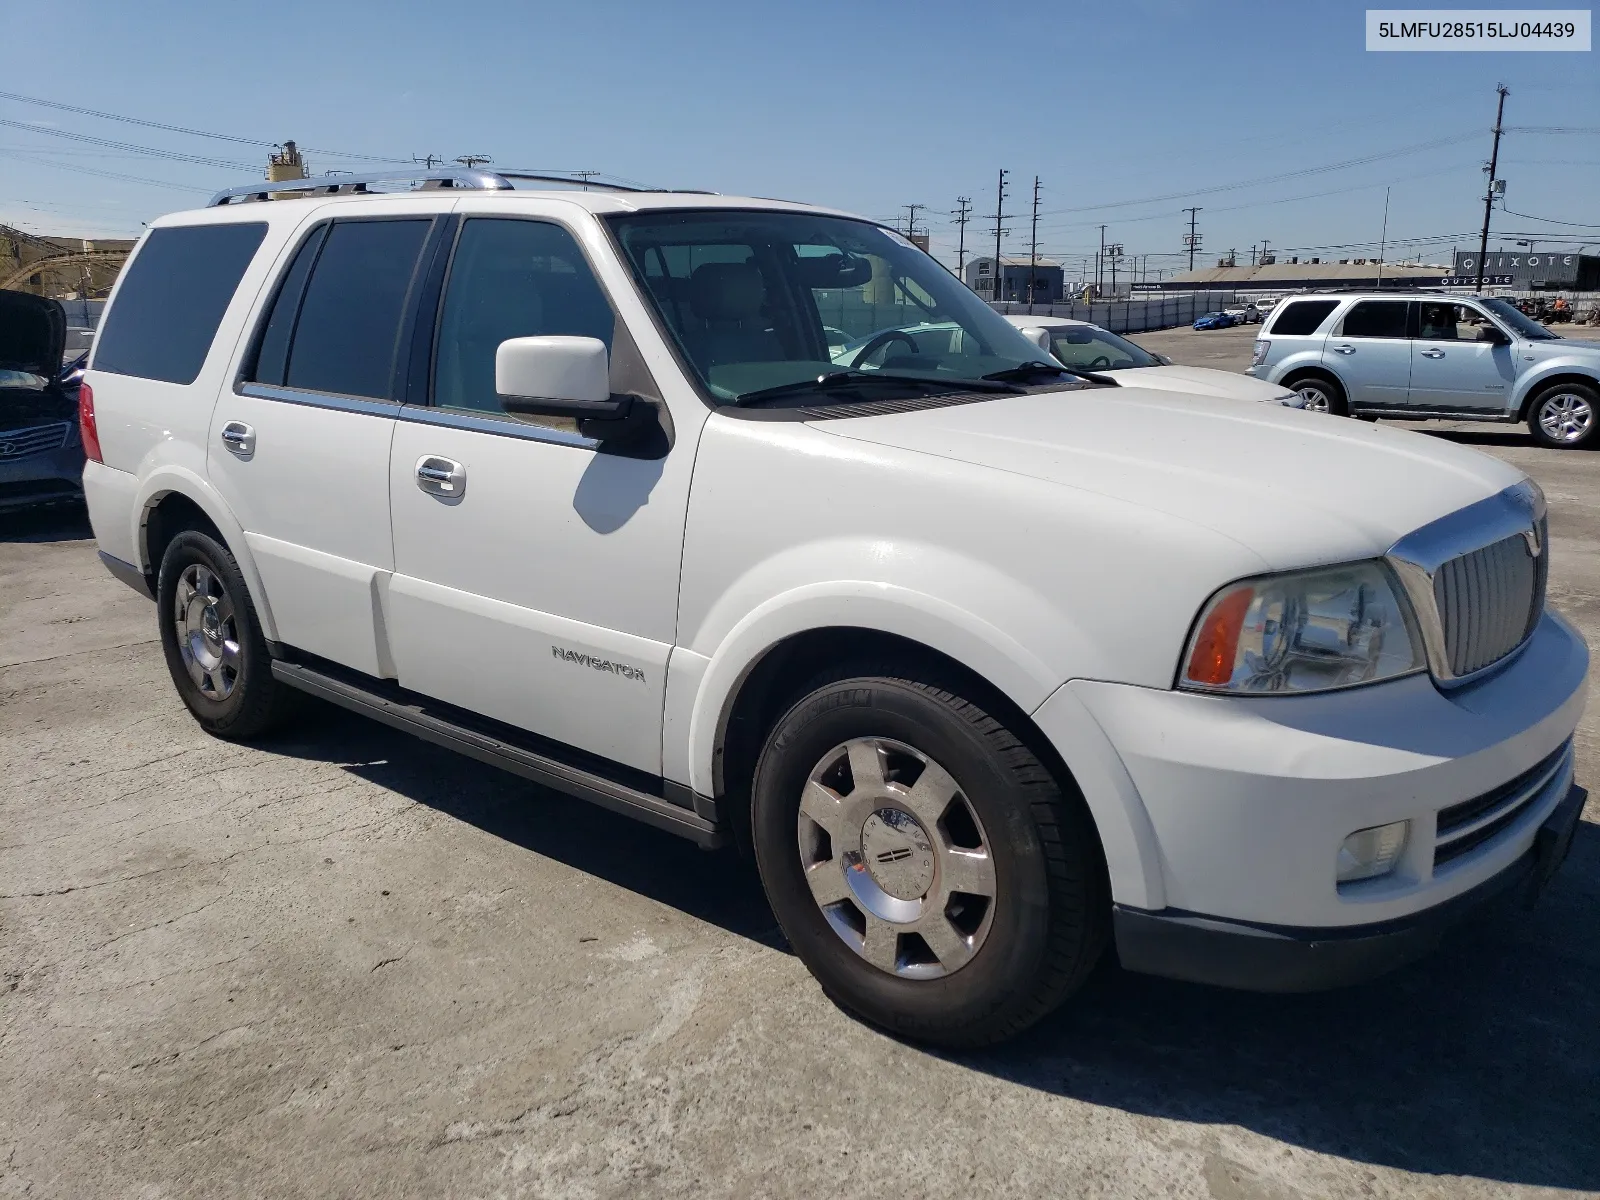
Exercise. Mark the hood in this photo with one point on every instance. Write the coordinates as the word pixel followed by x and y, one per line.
pixel 1200 381
pixel 33 334
pixel 1297 488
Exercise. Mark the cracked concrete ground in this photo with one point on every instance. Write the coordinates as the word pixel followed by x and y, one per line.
pixel 345 963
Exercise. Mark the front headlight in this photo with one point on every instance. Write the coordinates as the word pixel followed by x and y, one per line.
pixel 1307 631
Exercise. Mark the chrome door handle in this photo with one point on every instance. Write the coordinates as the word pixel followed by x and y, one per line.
pixel 1345 349
pixel 441 476
pixel 239 438
pixel 1434 353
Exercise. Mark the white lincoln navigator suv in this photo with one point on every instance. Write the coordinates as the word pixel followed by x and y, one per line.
pixel 989 662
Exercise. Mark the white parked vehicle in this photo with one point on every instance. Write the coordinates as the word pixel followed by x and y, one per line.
pixel 988 664
pixel 1087 347
pixel 1243 314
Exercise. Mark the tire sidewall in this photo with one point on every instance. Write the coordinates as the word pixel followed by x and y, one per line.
pixel 183 551
pixel 1336 401
pixel 1008 960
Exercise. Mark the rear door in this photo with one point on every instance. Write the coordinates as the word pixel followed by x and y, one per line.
pixel 1371 352
pixel 1461 361
pixel 299 445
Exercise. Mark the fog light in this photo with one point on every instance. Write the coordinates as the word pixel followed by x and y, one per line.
pixel 1368 853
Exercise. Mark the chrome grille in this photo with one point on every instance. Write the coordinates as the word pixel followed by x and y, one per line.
pixel 1489 600
pixel 34 439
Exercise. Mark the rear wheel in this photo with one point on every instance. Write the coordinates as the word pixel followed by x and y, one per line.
pixel 1321 395
pixel 213 644
pixel 924 864
pixel 1564 416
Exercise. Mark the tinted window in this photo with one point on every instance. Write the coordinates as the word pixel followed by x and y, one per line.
pixel 349 323
pixel 272 351
pixel 1376 319
pixel 510 279
pixel 172 300
pixel 1302 317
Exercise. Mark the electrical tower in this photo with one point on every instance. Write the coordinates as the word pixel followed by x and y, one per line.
pixel 471 160
pixel 997 290
pixel 1192 239
pixel 962 214
pixel 429 161
pixel 1488 195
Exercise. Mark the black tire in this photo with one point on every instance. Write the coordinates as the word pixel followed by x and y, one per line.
pixel 1332 401
pixel 247 700
pixel 1572 425
pixel 1051 908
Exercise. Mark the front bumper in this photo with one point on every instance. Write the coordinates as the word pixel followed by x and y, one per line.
pixel 51 477
pixel 1224 813
pixel 1278 958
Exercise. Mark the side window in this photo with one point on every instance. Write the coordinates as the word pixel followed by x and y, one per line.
pixel 272 350
pixel 1301 317
pixel 509 279
pixel 1440 321
pixel 172 300
pixel 344 340
pixel 1376 319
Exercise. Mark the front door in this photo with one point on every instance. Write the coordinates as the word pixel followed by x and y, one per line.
pixel 299 448
pixel 536 574
pixel 1461 361
pixel 1372 355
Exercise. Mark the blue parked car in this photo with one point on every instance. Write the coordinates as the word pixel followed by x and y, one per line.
pixel 1215 320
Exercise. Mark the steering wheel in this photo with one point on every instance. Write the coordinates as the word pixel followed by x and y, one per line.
pixel 879 342
pixel 1100 361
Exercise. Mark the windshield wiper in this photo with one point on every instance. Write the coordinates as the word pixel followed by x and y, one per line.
pixel 1028 370
pixel 836 381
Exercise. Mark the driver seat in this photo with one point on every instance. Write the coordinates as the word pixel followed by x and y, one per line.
pixel 728 298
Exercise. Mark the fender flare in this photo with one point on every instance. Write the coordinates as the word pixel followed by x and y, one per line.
pixel 170 478
pixel 883 608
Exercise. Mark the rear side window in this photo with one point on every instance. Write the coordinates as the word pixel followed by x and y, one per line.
pixel 172 300
pixel 348 328
pixel 1302 317
pixel 1376 319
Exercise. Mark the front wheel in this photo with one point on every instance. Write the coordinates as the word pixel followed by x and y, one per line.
pixel 213 643
pixel 1563 416
pixel 923 863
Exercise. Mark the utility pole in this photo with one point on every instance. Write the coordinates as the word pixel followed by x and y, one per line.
pixel 1383 238
pixel 962 214
pixel 1193 240
pixel 1100 263
pixel 1264 245
pixel 1252 254
pixel 999 231
pixel 427 160
pixel 911 218
pixel 471 160
pixel 1033 244
pixel 1488 195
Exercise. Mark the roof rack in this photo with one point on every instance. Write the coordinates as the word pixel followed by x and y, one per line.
pixel 356 185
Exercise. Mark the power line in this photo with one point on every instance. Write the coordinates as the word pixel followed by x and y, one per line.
pixel 173 155
pixel 221 137
pixel 1546 220
pixel 44 162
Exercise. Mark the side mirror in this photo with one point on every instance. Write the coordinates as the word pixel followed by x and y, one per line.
pixel 1163 360
pixel 1493 333
pixel 557 376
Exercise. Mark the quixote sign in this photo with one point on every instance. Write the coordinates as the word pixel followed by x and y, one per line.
pixel 1519 268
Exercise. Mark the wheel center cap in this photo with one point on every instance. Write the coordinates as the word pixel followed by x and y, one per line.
pixel 898 853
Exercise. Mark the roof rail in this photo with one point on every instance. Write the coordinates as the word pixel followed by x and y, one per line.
pixel 336 185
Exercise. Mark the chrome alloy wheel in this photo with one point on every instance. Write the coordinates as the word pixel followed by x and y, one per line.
pixel 1565 417
pixel 208 635
pixel 896 858
pixel 1316 397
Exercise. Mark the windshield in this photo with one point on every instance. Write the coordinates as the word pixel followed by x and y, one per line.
pixel 1521 324
pixel 763 300
pixel 1091 348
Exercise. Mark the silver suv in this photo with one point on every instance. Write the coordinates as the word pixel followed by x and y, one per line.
pixel 1368 354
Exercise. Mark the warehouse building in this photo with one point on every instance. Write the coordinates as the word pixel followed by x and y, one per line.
pixel 1309 274
pixel 1528 271
pixel 1047 275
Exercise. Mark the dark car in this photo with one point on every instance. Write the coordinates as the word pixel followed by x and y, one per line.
pixel 41 453
pixel 1215 320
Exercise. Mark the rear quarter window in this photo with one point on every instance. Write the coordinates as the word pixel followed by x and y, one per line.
pixel 170 304
pixel 1301 317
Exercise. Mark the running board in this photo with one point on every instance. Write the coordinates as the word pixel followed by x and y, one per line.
pixel 1500 417
pixel 538 768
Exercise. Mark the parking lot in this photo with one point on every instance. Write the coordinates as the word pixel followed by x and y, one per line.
pixel 345 963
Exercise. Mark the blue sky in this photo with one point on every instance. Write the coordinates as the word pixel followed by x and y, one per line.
pixel 866 106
